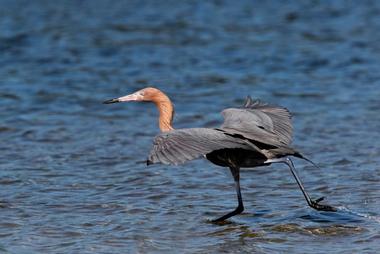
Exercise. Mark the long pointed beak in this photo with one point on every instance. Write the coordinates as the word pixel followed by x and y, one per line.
pixel 130 97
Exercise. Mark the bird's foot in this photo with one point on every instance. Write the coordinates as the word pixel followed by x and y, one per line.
pixel 315 204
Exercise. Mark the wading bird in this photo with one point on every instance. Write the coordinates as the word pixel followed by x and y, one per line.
pixel 256 134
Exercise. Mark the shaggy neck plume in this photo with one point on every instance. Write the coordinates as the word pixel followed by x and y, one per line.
pixel 166 110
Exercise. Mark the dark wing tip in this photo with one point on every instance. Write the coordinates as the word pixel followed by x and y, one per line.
pixel 149 162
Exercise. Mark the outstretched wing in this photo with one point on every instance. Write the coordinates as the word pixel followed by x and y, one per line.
pixel 259 121
pixel 178 146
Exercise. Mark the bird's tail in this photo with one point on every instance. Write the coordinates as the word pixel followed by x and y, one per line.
pixel 299 155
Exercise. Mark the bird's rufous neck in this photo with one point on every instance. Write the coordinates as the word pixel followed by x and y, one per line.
pixel 166 110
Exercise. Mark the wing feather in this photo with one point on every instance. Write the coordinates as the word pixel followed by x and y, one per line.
pixel 179 146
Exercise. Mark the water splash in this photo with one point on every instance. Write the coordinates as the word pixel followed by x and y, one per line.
pixel 359 214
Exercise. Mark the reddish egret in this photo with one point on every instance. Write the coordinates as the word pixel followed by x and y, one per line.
pixel 256 134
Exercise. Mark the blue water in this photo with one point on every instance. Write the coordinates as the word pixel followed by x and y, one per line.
pixel 72 171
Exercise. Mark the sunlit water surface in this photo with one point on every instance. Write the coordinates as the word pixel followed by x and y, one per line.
pixel 72 171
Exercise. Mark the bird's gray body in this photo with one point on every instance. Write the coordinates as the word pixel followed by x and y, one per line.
pixel 248 137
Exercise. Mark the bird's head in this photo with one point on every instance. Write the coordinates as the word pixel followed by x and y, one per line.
pixel 154 95
pixel 146 94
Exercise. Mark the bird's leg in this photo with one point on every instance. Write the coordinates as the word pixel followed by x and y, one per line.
pixel 240 208
pixel 312 203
